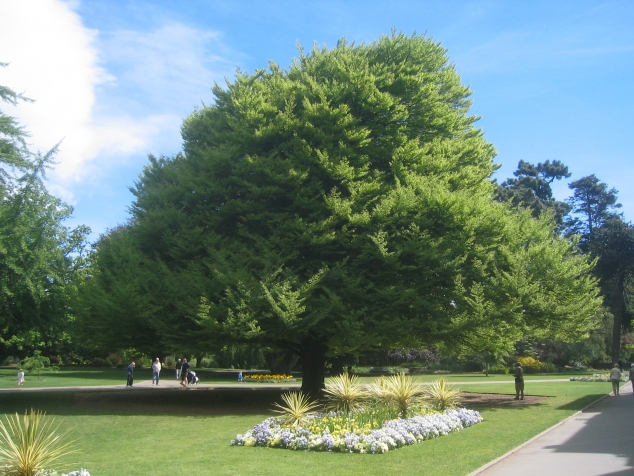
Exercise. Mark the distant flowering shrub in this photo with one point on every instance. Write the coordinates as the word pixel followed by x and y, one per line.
pixel 531 365
pixel 598 378
pixel 390 435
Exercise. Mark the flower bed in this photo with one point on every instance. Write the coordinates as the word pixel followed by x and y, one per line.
pixel 390 435
pixel 597 378
pixel 269 378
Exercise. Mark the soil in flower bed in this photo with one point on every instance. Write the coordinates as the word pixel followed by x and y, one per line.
pixel 477 401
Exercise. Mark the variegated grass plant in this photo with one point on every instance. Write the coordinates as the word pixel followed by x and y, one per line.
pixel 401 391
pixel 30 443
pixel 345 393
pixel 298 407
pixel 441 396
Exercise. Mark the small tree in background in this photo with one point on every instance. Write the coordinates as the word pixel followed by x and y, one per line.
pixel 37 363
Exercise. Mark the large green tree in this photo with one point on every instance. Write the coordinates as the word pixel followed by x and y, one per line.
pixel 345 205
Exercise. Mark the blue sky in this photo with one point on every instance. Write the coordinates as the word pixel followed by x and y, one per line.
pixel 552 80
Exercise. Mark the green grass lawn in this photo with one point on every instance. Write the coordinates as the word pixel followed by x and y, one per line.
pixel 183 432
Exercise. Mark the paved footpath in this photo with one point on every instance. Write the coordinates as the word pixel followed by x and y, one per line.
pixel 595 442
pixel 173 383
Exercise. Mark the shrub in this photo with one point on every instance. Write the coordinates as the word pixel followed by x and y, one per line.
pixel 30 443
pixel 207 362
pixel 298 407
pixel 99 362
pixel 441 396
pixel 499 369
pixel 531 365
pixel 403 392
pixel 345 393
pixel 114 360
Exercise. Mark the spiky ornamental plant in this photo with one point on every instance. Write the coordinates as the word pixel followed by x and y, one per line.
pixel 297 408
pixel 403 392
pixel 30 443
pixel 441 396
pixel 345 393
pixel 377 391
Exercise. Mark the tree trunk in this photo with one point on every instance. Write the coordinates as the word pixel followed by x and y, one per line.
pixel 313 359
pixel 199 360
pixel 618 310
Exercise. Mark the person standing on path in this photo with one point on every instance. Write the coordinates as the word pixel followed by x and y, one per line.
pixel 632 377
pixel 21 377
pixel 130 374
pixel 184 371
pixel 156 370
pixel 179 366
pixel 615 377
pixel 519 381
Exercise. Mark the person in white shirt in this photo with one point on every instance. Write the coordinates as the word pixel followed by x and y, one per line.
pixel 615 377
pixel 156 370
pixel 21 377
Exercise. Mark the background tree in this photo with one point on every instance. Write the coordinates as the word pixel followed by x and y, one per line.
pixel 613 246
pixel 593 203
pixel 37 362
pixel 531 188
pixel 39 256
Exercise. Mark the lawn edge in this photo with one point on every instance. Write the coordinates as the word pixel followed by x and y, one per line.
pixel 516 449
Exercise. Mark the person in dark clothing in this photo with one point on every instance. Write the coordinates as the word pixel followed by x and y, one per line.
pixel 130 374
pixel 185 372
pixel 519 382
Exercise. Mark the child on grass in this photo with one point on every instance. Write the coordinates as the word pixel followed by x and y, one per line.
pixel 21 377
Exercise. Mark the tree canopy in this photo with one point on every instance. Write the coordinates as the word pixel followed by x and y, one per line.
pixel 592 204
pixel 531 188
pixel 345 205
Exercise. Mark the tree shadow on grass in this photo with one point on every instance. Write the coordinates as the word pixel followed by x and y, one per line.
pixel 169 401
pixel 581 403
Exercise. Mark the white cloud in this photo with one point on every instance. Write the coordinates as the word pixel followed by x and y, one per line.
pixel 104 118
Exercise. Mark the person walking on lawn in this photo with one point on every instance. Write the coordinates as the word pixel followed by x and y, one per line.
pixel 184 372
pixel 156 370
pixel 615 377
pixel 519 382
pixel 130 374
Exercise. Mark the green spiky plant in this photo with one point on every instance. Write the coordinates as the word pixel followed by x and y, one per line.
pixel 30 443
pixel 345 393
pixel 441 396
pixel 298 407
pixel 402 392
